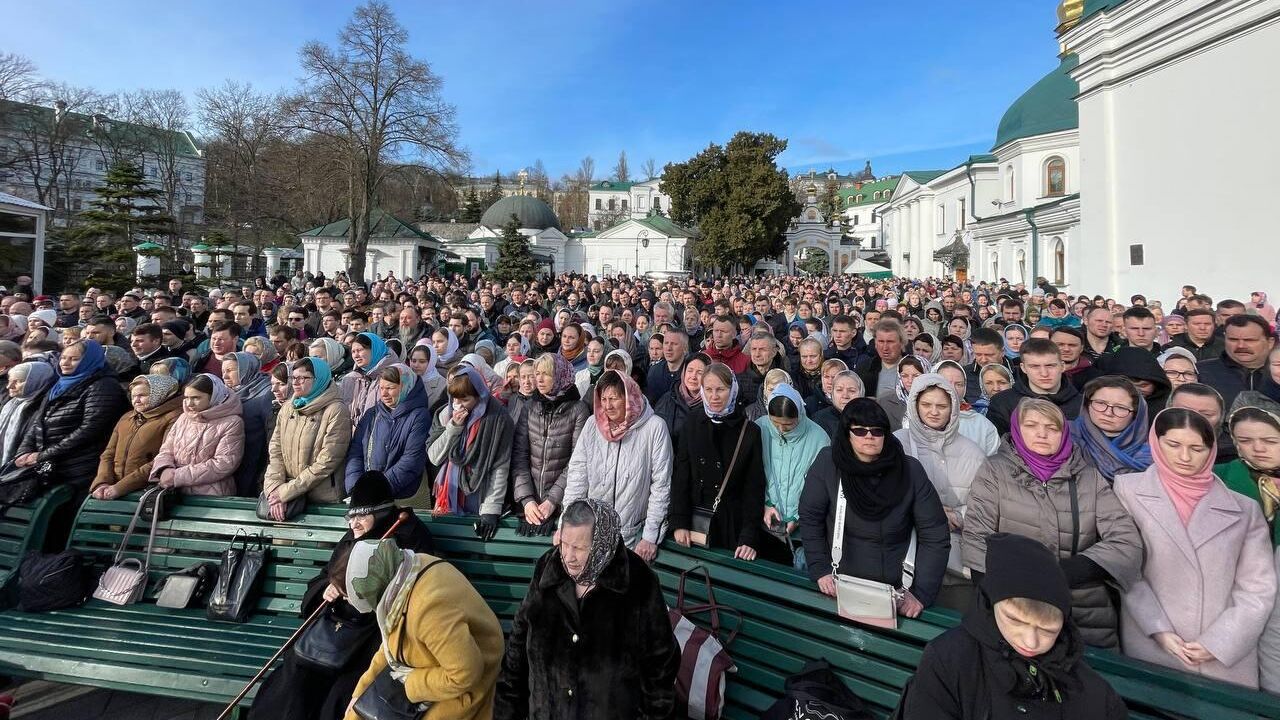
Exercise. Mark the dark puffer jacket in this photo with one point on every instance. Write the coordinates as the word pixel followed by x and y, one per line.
pixel 1068 399
pixel 610 654
pixel 674 411
pixel 1006 497
pixel 72 430
pixel 545 436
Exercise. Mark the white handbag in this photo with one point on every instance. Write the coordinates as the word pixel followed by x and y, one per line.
pixel 862 601
pixel 125 581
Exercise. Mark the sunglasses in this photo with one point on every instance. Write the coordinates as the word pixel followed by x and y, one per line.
pixel 874 432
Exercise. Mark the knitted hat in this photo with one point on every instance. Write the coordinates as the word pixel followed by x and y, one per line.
pixel 1018 566
pixel 549 324
pixel 371 494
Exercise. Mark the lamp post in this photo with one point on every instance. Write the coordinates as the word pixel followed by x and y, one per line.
pixel 643 241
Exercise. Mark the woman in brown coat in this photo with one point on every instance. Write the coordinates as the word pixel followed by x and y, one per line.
pixel 310 441
pixel 126 463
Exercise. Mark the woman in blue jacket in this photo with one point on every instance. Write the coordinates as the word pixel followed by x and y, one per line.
pixel 392 436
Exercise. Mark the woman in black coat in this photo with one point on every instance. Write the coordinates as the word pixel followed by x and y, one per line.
pixel 675 405
pixel 299 691
pixel 74 423
pixel 592 638
pixel 1016 654
pixel 888 495
pixel 703 454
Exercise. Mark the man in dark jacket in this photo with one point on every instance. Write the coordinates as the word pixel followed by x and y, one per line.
pixel 988 349
pixel 1016 654
pixel 847 343
pixel 879 371
pixel 592 638
pixel 1042 377
pixel 1243 364
pixel 664 374
pixel 763 350
pixel 1201 337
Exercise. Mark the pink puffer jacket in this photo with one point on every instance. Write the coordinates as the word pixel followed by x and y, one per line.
pixel 204 451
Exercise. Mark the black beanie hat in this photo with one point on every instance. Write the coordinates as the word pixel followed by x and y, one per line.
pixel 178 327
pixel 1018 566
pixel 371 494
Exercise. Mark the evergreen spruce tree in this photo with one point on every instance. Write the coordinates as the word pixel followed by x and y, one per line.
pixel 515 260
pixel 126 212
pixel 495 192
pixel 472 208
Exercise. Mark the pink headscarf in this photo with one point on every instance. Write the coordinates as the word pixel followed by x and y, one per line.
pixel 1184 492
pixel 611 431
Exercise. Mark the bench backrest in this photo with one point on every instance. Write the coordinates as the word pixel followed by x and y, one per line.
pixel 199 529
pixel 22 530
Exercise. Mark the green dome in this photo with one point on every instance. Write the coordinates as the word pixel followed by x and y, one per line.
pixel 1049 106
pixel 532 213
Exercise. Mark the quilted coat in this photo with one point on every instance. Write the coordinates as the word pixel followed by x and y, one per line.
pixel 544 442
pixel 308 450
pixel 204 450
pixel 73 429
pixel 126 462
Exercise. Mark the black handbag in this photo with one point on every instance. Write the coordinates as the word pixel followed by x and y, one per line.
pixel 156 505
pixel 385 698
pixel 240 575
pixel 52 581
pixel 20 485
pixel 184 588
pixel 816 693
pixel 291 507
pixel 331 643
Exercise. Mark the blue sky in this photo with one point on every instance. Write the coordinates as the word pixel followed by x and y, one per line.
pixel 908 85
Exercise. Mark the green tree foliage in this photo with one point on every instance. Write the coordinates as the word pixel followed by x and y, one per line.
pixel 738 198
pixel 815 262
pixel 126 212
pixel 472 207
pixel 829 205
pixel 515 260
pixel 494 194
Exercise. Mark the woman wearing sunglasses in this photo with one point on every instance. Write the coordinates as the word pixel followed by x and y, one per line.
pixel 1044 485
pixel 888 496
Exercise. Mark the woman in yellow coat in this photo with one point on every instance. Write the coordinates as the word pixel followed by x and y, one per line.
pixel 439 638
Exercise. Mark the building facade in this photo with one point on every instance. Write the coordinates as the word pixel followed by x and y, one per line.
pixel 609 202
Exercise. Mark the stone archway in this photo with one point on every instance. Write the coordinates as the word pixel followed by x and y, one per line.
pixel 802 247
pixel 815 260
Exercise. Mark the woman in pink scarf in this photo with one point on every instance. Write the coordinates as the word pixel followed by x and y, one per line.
pixel 1208 581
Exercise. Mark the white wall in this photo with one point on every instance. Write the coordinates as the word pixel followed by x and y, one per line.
pixel 1178 147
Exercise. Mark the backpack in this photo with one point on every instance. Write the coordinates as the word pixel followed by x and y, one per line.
pixel 816 693
pixel 50 581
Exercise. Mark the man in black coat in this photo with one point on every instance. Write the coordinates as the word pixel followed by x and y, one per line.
pixel 1042 377
pixel 592 638
pixel 1243 364
pixel 1016 654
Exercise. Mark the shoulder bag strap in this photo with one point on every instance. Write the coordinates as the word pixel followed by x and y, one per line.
pixel 837 534
pixel 404 618
pixel 1075 517
pixel 724 482
pixel 133 524
pixel 155 520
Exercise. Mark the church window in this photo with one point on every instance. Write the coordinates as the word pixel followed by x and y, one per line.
pixel 1055 176
pixel 599 204
pixel 613 204
pixel 624 203
pixel 855 219
pixel 1008 171
pixel 1059 262
pixel 639 202
pixel 873 241
pixel 875 195
pixel 858 198
pixel 887 193
pixel 1020 261
pixel 657 203
pixel 961 220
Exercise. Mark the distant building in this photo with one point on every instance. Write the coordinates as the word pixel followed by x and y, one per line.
pixel 844 181
pixel 64 155
pixel 610 202
pixel 394 246
pixel 861 205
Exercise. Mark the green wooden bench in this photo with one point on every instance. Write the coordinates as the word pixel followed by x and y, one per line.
pixel 176 653
pixel 23 528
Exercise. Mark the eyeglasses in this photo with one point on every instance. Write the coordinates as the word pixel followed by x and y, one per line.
pixel 301 378
pixel 874 432
pixel 1120 411
pixel 1189 375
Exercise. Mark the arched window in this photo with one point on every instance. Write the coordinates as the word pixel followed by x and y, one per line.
pixel 1055 176
pixel 887 193
pixel 875 195
pixel 1008 171
pixel 1059 262
pixel 1020 262
pixel 995 265
pixel 873 242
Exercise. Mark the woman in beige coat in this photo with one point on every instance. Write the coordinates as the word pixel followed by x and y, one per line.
pixel 202 450
pixel 1042 486
pixel 1208 583
pixel 313 431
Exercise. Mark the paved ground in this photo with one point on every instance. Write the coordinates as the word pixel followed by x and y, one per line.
pixel 51 701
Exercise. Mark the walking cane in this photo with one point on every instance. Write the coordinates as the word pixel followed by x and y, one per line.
pixel 226 712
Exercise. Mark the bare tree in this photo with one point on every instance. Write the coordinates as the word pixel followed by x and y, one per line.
pixel 380 106
pixel 650 169
pixel 51 139
pixel 18 78
pixel 621 171
pixel 158 124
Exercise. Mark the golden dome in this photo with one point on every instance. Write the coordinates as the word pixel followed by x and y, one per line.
pixel 1069 12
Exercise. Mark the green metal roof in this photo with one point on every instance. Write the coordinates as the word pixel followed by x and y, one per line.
pixel 1048 106
pixel 381 225
pixel 16 115
pixel 983 158
pixel 1092 7
pixel 529 211
pixel 849 196
pixel 665 226
pixel 148 246
pixel 607 185
pixel 923 176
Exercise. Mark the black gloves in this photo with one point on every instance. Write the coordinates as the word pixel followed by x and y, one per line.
pixel 528 529
pixel 487 527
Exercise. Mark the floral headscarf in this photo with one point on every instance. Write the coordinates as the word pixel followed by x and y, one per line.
pixel 562 377
pixel 636 405
pixel 160 388
pixel 606 536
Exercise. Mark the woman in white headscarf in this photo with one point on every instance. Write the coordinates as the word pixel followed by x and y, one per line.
pixel 28 382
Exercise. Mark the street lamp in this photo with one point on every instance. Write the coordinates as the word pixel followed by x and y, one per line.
pixel 642 242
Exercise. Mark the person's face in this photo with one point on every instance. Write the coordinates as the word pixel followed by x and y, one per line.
pixel 1207 407
pixel 1011 313
pixel 595 353
pixel 810 357
pixel 722 334
pixel 923 349
pixel 194 401
pixel 868 445
pixel 1180 371
pixel 655 350
pixel 948 303
pixel 1200 328
pixel 761 352
pixel 841 334
pixel 528 379
pixel 1248 345
pixel 68 302
pixel 240 314
pixel 1226 313
pixel 952 352
pixel 143 344
pixel 1111 409
pixel 231 373
pixel 934 406
pixel 1140 332
pixel 994 382
pixel 692 377
pixel 1069 345
pixel 1099 323
pixel 844 389
pixel 1014 339
pixel 1041 434
pixel 388 392
pixel 956 378
pixel 544 381
pixel 615 405
pixel 279 389
pixel 575 547
pixel 128 304
pixel 101 333
pixel 715 392
pixel 323 301
pixel 986 354
pixel 360 354
pixel 222 342
pixel 70 358
pixel 872 317
pixel 355 325
pixel 672 350
pixel 1184 451
pixel 139 395
pixel 1044 372
pixel 908 374
pixel 888 346
pixel 957 327
pixel 546 336
pixel 1258 443
pixel 1028 636
pixel 16 385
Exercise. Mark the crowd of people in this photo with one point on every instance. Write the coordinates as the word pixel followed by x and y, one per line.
pixel 1136 441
